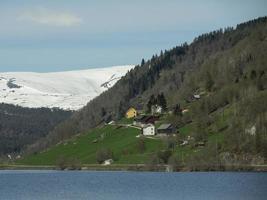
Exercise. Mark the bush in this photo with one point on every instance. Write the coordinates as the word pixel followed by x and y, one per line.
pixel 141 145
pixel 164 156
pixel 175 162
pixel 170 142
pixel 68 163
pixel 62 163
pixel 103 154
pixel 153 163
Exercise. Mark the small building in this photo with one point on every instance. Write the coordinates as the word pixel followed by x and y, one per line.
pixel 108 162
pixel 131 113
pixel 149 129
pixel 166 129
pixel 156 109
pixel 185 111
pixel 196 96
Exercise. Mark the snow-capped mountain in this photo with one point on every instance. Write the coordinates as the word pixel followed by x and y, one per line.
pixel 69 90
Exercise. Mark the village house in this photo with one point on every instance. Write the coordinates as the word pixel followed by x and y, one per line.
pixel 148 130
pixel 196 96
pixel 166 129
pixel 131 113
pixel 156 109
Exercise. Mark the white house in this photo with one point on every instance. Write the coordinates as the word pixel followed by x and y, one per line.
pixel 149 129
pixel 156 109
pixel 196 96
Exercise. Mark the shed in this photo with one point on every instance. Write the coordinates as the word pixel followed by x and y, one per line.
pixel 108 162
pixel 166 129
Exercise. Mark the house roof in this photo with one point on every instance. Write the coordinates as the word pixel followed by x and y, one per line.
pixel 148 125
pixel 140 117
pixel 165 126
pixel 145 118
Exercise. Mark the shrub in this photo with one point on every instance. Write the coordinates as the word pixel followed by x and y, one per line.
pixel 141 145
pixel 103 154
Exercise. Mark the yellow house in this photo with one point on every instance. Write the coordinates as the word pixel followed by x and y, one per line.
pixel 131 113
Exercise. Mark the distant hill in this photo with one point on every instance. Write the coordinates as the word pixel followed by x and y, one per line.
pixel 226 68
pixel 23 126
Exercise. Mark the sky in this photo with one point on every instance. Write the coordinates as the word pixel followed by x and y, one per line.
pixel 61 35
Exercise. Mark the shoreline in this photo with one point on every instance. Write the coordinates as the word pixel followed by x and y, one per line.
pixel 135 168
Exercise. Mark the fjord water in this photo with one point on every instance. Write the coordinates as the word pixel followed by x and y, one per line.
pixel 42 185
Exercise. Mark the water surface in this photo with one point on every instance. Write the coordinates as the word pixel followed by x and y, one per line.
pixel 47 185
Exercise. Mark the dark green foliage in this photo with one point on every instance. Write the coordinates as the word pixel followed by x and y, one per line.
pixel 177 110
pixel 142 62
pixel 103 112
pixel 152 101
pixel 164 156
pixel 68 163
pixel 103 154
pixel 175 162
pixel 23 126
pixel 209 82
pixel 162 101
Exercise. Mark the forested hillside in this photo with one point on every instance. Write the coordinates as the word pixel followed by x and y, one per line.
pixel 227 68
pixel 22 126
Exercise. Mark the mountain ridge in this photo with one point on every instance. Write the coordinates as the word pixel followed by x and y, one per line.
pixel 69 90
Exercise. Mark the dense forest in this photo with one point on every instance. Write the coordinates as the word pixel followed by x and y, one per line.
pixel 226 67
pixel 22 126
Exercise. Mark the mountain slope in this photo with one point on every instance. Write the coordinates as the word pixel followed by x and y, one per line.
pixel 66 90
pixel 227 68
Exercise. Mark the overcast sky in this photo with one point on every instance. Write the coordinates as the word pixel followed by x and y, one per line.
pixel 50 35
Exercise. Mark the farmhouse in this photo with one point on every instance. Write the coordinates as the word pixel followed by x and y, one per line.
pixel 131 113
pixel 149 129
pixel 166 129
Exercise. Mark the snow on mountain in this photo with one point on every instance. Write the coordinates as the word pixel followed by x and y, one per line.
pixel 69 90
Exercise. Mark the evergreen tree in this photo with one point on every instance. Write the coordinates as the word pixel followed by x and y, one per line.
pixel 152 101
pixel 103 112
pixel 120 110
pixel 177 110
pixel 209 82
pixel 143 62
pixel 162 101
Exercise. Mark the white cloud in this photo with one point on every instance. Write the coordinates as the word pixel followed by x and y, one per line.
pixel 44 16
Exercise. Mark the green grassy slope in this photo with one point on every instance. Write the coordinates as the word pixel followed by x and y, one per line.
pixel 122 141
